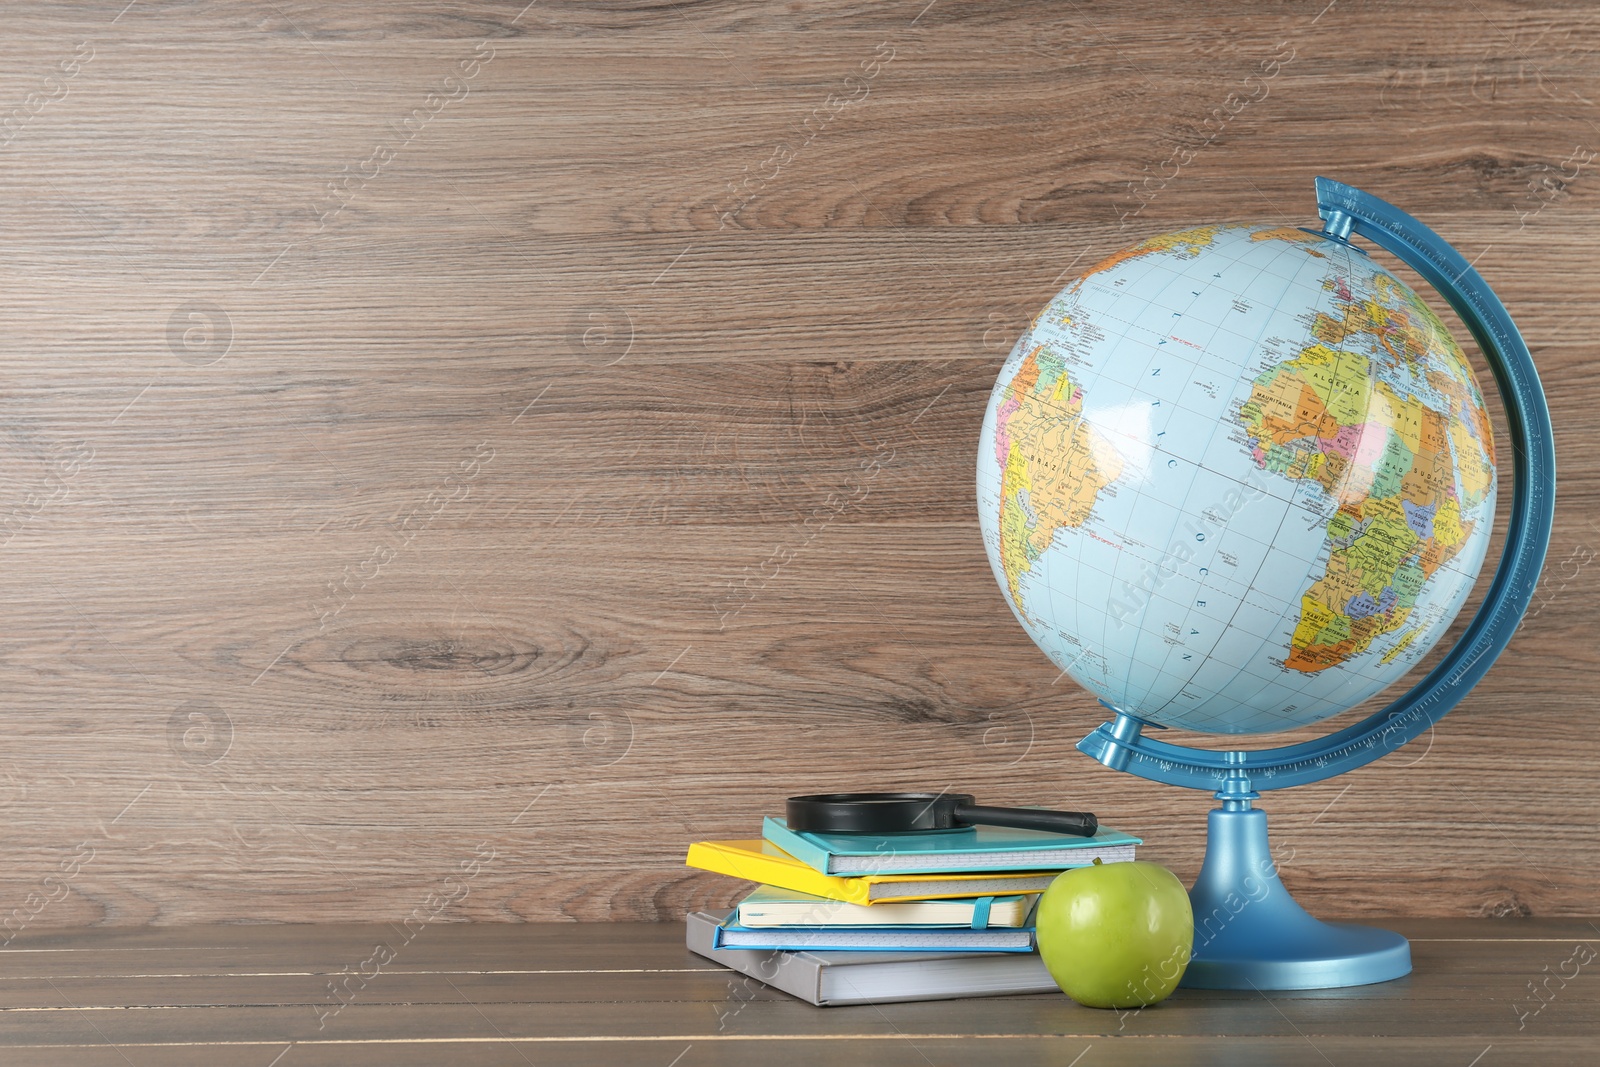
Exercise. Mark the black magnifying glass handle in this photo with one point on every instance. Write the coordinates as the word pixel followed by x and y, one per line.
pixel 1080 823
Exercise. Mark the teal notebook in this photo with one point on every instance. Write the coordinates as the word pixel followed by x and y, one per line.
pixel 975 848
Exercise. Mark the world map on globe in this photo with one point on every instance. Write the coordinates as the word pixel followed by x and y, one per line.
pixel 1236 479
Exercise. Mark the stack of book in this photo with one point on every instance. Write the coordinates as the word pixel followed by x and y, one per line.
pixel 849 918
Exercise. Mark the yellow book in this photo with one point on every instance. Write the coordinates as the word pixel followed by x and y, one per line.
pixel 762 861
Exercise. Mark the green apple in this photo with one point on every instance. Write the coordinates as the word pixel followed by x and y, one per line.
pixel 1116 935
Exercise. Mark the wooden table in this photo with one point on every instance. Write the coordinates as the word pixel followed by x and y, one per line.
pixel 629 993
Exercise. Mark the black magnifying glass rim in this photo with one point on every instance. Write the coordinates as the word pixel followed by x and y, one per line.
pixel 875 813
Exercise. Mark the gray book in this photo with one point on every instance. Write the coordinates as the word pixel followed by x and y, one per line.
pixel 829 978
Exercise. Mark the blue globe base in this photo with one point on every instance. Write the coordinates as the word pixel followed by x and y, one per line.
pixel 1250 934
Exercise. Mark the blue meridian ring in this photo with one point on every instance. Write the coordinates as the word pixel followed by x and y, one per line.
pixel 1346 210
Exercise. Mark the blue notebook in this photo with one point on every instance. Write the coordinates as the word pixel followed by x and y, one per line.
pixel 975 848
pixel 768 906
pixel 870 938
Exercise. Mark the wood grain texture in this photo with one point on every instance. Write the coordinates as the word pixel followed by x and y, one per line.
pixel 350 535
pixel 627 993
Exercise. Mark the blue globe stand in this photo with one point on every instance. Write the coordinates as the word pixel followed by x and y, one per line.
pixel 1249 932
pixel 1277 945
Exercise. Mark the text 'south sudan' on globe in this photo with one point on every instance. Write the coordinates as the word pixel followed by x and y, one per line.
pixel 1236 479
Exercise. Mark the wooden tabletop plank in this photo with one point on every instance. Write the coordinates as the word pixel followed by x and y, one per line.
pixel 1470 980
pixel 1487 1022
pixel 630 993
pixel 890 1051
pixel 553 945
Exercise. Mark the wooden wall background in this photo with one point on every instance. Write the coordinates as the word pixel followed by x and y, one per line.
pixel 392 479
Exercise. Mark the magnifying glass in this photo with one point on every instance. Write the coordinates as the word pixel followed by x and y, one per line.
pixel 899 813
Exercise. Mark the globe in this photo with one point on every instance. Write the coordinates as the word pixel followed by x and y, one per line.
pixel 1236 479
pixel 1240 478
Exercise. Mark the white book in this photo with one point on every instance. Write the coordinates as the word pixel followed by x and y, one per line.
pixel 830 978
pixel 771 906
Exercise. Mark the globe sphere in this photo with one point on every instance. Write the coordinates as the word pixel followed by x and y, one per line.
pixel 1236 479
